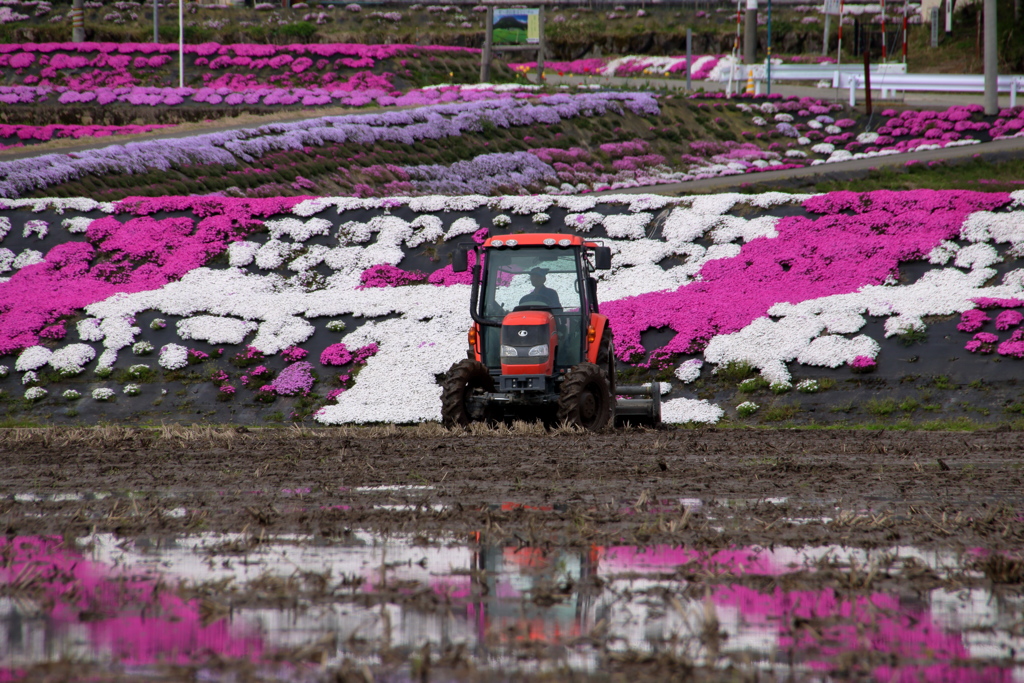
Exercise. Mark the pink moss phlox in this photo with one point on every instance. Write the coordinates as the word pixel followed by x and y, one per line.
pixel 1008 319
pixel 135 617
pixel 989 302
pixel 972 320
pixel 837 253
pixel 294 353
pixel 481 235
pixel 227 389
pixel 385 275
pixel 139 254
pixel 54 332
pixel 336 354
pixel 295 379
pixel 446 277
pixel 863 364
pixel 983 342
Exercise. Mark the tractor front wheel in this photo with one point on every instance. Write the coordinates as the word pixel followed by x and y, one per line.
pixel 586 399
pixel 464 379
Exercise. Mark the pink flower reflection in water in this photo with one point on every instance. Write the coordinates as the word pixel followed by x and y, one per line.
pixel 135 618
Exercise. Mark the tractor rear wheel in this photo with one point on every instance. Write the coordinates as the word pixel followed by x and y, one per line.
pixel 464 379
pixel 606 357
pixel 586 398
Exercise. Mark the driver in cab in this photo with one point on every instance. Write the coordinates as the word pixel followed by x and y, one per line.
pixel 542 295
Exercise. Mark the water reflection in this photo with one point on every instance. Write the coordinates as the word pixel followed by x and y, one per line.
pixel 805 613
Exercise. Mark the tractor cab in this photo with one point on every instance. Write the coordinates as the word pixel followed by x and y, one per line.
pixel 538 342
pixel 535 303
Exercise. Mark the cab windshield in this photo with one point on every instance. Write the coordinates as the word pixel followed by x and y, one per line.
pixel 531 277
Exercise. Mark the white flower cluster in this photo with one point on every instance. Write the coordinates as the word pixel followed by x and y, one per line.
pixel 336 326
pixel 71 395
pixel 690 410
pixel 77 225
pixel 501 221
pixel 808 386
pixel 32 358
pixel 583 222
pixel 132 389
pixel 28 257
pixel 4 371
pixel 35 394
pixel 71 360
pixel 139 370
pixel 173 357
pixel 215 329
pixel 38 228
pixel 540 218
pixel 747 408
pixel 142 348
pixel 102 394
pixel 30 377
pixel 5 227
pixel 689 370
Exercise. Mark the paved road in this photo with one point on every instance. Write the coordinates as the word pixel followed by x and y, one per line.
pixel 992 151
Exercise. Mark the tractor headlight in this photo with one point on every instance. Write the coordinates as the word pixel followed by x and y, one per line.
pixel 539 350
pixel 509 351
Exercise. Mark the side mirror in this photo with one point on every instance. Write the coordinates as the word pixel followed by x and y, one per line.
pixel 603 258
pixel 460 259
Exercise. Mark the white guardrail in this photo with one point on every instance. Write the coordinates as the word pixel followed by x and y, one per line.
pixel 888 78
pixel 740 73
pixel 967 83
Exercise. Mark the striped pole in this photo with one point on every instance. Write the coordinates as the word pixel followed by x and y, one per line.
pixel 77 22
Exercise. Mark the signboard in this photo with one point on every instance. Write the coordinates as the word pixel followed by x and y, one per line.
pixel 516 26
pixel 832 7
pixel 935 26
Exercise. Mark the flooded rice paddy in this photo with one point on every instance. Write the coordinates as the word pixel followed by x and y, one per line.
pixel 864 566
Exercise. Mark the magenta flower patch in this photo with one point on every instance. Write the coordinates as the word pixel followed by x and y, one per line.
pixel 811 258
pixel 972 321
pixel 295 379
pixel 1008 319
pixel 983 342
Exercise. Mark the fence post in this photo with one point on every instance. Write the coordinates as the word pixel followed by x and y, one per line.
pixel 991 60
pixel 867 80
pixel 541 46
pixel 485 56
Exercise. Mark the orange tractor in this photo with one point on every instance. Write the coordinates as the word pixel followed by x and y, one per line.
pixel 539 347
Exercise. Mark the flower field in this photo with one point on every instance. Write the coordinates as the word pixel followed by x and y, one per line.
pixel 502 140
pixel 344 310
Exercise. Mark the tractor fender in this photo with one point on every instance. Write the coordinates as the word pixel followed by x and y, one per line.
pixel 598 322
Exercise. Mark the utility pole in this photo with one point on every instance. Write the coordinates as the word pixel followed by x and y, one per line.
pixel 750 33
pixel 156 21
pixel 181 43
pixel 689 57
pixel 991 59
pixel 77 22
pixel 768 62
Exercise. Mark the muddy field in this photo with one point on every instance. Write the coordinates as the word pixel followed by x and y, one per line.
pixel 415 554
